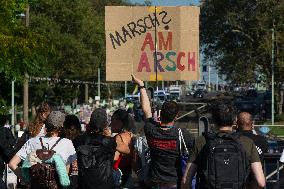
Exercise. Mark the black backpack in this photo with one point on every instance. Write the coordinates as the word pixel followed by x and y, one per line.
pixel 224 162
pixel 95 161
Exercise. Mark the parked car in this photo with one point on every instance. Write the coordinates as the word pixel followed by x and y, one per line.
pixel 199 93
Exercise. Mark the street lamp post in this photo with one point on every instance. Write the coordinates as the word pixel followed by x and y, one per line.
pixel 272 75
pixel 26 80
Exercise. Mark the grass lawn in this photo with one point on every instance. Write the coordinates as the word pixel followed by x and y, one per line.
pixel 278 131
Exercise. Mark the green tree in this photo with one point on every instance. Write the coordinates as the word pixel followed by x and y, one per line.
pixel 21 50
pixel 236 36
pixel 75 30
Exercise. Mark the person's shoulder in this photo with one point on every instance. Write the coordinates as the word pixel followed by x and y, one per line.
pixel 261 138
pixel 66 141
pixel 186 133
pixel 200 140
pixel 150 121
pixel 150 124
pixel 4 131
pixel 34 140
pixel 246 140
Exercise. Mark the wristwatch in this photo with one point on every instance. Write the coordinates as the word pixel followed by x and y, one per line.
pixel 141 87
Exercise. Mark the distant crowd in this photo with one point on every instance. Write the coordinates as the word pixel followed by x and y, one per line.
pixel 54 152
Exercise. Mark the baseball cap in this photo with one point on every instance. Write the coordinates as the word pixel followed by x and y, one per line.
pixel 54 120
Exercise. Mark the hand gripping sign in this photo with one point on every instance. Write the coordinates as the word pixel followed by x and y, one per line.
pixel 133 42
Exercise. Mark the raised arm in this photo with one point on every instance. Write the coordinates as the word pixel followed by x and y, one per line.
pixel 144 99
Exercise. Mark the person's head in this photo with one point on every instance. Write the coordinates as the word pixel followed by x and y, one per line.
pixel 224 115
pixel 72 127
pixel 169 112
pixel 244 121
pixel 54 123
pixel 98 120
pixel 3 120
pixel 41 115
pixel 121 120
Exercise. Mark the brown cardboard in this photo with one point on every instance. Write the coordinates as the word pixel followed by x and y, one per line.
pixel 180 24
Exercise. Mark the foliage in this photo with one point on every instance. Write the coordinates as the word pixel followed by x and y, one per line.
pixel 75 30
pixel 236 36
pixel 4 109
pixel 279 118
pixel 21 50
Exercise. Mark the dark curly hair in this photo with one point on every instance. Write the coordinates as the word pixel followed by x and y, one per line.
pixel 126 119
pixel 224 114
pixel 72 127
pixel 98 120
pixel 169 111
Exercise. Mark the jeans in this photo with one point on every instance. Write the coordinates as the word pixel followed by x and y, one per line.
pixel 162 186
pixel 159 187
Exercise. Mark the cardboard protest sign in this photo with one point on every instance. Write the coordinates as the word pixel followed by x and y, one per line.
pixel 131 38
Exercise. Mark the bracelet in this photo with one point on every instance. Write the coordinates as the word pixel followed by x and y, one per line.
pixel 141 87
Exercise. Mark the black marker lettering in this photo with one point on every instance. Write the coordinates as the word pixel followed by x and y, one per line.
pixel 132 28
pixel 116 40
pixel 145 23
pixel 125 33
pixel 164 16
pixel 143 27
pixel 154 19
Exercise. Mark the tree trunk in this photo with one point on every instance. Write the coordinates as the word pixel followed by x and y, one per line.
pixel 33 111
pixel 26 100
pixel 86 93
pixel 281 102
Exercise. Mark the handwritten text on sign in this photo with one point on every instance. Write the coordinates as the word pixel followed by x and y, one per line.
pixel 131 39
pixel 173 58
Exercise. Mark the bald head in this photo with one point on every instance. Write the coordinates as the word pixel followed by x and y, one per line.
pixel 245 121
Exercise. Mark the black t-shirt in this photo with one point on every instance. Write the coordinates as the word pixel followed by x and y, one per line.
pixel 164 145
pixel 93 177
pixel 259 141
pixel 261 146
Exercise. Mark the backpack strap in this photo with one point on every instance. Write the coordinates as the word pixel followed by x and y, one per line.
pixel 55 144
pixel 182 142
pixel 41 143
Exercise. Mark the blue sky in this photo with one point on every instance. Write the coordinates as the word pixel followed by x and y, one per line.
pixel 169 2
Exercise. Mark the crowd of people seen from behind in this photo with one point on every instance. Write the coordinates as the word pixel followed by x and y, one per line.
pixel 54 153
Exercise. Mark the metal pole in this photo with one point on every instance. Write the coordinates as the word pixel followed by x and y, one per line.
pixel 13 103
pixel 217 82
pixel 86 93
pixel 125 89
pixel 209 78
pixel 99 82
pixel 155 58
pixel 272 75
pixel 163 85
pixel 26 80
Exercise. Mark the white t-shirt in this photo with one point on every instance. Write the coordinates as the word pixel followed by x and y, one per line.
pixel 64 148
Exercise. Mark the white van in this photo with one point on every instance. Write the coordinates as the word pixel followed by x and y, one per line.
pixel 175 92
